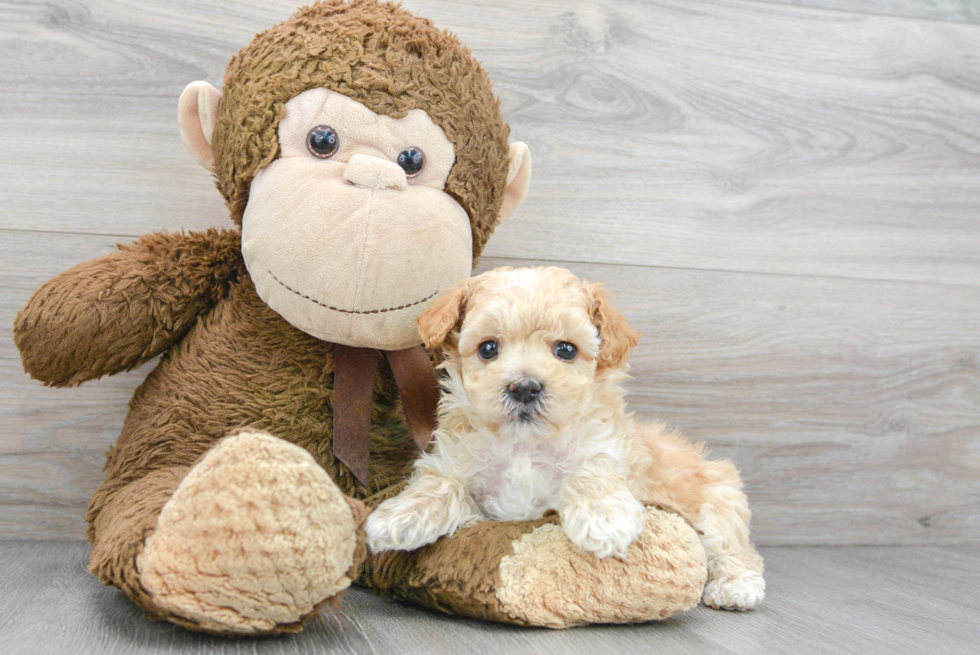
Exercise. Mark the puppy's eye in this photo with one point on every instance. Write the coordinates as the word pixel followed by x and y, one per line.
pixel 323 141
pixel 566 351
pixel 488 350
pixel 411 160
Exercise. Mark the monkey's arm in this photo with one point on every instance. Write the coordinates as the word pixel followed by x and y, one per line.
pixel 113 313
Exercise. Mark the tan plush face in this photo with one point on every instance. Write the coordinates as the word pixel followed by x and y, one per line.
pixel 338 239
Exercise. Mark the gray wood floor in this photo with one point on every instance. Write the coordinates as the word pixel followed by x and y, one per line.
pixel 821 600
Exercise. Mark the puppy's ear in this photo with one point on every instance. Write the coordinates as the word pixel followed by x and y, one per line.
pixel 443 315
pixel 618 337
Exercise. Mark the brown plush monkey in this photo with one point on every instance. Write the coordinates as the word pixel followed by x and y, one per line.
pixel 365 160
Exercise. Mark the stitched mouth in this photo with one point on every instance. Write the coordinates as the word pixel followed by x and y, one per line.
pixel 351 311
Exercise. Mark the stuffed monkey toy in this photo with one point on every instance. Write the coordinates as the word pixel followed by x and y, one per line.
pixel 365 162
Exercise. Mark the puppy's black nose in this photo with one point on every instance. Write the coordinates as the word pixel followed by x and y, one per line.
pixel 524 391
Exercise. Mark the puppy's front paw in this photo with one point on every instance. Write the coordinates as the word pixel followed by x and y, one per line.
pixel 605 526
pixel 431 507
pixel 392 526
pixel 740 592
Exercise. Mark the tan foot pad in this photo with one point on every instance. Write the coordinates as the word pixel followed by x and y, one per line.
pixel 548 582
pixel 253 540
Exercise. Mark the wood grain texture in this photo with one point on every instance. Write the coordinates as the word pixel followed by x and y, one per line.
pixel 820 600
pixel 852 407
pixel 783 197
pixel 730 135
pixel 956 11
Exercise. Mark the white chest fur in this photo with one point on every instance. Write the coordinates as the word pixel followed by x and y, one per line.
pixel 521 481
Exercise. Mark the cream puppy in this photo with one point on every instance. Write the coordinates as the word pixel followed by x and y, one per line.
pixel 533 418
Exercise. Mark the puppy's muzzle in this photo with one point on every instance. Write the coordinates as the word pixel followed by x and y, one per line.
pixel 525 392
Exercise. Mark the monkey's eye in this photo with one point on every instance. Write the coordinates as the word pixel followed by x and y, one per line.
pixel 565 351
pixel 411 160
pixel 323 141
pixel 488 350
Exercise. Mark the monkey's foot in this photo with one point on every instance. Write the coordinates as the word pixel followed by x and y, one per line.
pixel 530 573
pixel 254 540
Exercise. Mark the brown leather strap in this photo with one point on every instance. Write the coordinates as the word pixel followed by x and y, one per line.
pixel 418 388
pixel 353 384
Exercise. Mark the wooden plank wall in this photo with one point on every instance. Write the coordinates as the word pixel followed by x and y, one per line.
pixel 783 195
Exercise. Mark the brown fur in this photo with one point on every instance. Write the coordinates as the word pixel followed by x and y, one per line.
pixel 456 575
pixel 116 312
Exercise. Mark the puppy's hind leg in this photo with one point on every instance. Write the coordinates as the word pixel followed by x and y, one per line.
pixel 735 568
pixel 709 495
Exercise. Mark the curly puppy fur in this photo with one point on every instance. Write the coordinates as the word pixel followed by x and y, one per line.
pixel 537 421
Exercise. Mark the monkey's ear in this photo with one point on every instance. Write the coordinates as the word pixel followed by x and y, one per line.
pixel 443 316
pixel 518 179
pixel 197 112
pixel 618 336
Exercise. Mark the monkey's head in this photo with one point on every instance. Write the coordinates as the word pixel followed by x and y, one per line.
pixel 363 153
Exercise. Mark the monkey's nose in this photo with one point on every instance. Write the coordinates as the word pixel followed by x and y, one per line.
pixel 524 391
pixel 374 173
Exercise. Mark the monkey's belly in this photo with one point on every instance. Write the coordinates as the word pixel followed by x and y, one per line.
pixel 244 366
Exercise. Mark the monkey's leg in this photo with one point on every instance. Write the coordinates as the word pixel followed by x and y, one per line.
pixel 254 538
pixel 529 573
